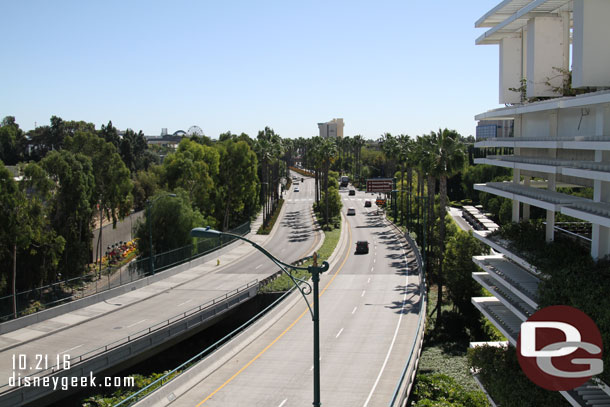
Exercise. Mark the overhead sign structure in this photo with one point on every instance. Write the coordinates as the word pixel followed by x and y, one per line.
pixel 379 185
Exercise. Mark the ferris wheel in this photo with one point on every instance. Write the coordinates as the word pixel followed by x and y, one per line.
pixel 195 131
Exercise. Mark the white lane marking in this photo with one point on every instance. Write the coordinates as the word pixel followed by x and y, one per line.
pixel 257 267
pixel 336 336
pixel 372 268
pixel 374 260
pixel 139 322
pixel 283 402
pixel 385 362
pixel 311 368
pixel 369 280
pixel 68 350
pixel 185 302
pixel 363 291
pixel 354 310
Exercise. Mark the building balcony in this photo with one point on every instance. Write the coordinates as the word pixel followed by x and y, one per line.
pixel 570 102
pixel 582 169
pixel 587 210
pixel 541 198
pixel 513 277
pixel 499 315
pixel 546 165
pixel 575 143
pixel 509 299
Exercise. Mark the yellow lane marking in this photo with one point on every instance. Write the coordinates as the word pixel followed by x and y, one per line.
pixel 286 330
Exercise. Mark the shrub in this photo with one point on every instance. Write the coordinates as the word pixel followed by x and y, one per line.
pixel 503 378
pixel 439 390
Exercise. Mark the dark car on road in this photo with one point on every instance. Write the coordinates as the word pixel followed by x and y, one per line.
pixel 362 246
pixel 367 204
pixel 352 192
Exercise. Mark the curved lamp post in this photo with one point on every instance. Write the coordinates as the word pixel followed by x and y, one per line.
pixel 315 272
pixel 149 204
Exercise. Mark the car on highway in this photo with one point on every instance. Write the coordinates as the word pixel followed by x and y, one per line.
pixel 362 247
pixel 351 211
pixel 296 189
pixel 352 192
pixel 367 204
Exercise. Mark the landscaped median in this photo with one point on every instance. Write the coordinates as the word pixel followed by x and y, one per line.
pixel 265 230
pixel 302 172
pixel 284 283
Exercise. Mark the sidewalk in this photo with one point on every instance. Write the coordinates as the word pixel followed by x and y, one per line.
pixel 140 290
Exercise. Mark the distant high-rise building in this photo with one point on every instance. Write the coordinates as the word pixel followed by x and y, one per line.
pixel 332 129
pixel 164 131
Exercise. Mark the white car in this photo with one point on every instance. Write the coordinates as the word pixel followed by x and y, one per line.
pixel 351 211
pixel 296 189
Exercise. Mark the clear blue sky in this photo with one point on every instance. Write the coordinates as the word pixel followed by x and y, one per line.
pixel 386 66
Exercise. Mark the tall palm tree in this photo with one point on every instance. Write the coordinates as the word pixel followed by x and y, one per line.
pixel 268 148
pixel 403 155
pixel 447 157
pixel 359 142
pixel 328 151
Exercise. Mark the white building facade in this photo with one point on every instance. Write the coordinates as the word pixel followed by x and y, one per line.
pixel 331 129
pixel 559 136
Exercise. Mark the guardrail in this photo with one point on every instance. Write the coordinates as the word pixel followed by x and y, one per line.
pixel 139 334
pixel 407 377
pixel 80 287
pixel 171 375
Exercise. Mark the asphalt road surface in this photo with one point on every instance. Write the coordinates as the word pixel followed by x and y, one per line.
pixel 369 307
pixel 295 237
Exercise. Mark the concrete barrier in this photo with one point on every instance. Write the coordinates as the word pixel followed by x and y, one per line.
pixel 40 316
pixel 119 352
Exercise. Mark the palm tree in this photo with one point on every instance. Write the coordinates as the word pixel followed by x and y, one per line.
pixel 358 142
pixel 403 155
pixel 447 156
pixel 268 148
pixel 328 151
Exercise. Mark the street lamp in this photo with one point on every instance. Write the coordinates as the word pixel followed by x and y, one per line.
pixel 315 272
pixel 149 204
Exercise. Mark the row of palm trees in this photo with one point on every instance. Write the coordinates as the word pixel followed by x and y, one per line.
pixel 434 157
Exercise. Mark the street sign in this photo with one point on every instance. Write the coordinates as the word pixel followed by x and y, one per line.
pixel 379 185
pixel 380 202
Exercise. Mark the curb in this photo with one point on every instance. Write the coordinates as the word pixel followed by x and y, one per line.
pixel 215 360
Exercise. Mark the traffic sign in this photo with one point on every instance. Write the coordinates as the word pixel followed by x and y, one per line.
pixel 379 185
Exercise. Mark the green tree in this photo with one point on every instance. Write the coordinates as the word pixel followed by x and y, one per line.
pixel 12 141
pixel 458 269
pixel 134 151
pixel 328 152
pixel 447 156
pixel 172 220
pixel 237 186
pixel 145 185
pixel 71 209
pixel 193 168
pixel 268 149
pixel 110 134
pixel 113 185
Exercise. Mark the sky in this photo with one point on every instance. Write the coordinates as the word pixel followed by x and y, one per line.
pixel 403 67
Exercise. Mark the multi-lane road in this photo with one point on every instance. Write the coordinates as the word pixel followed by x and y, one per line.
pixel 90 328
pixel 369 308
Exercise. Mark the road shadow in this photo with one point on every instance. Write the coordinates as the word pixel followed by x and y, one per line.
pixel 300 230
